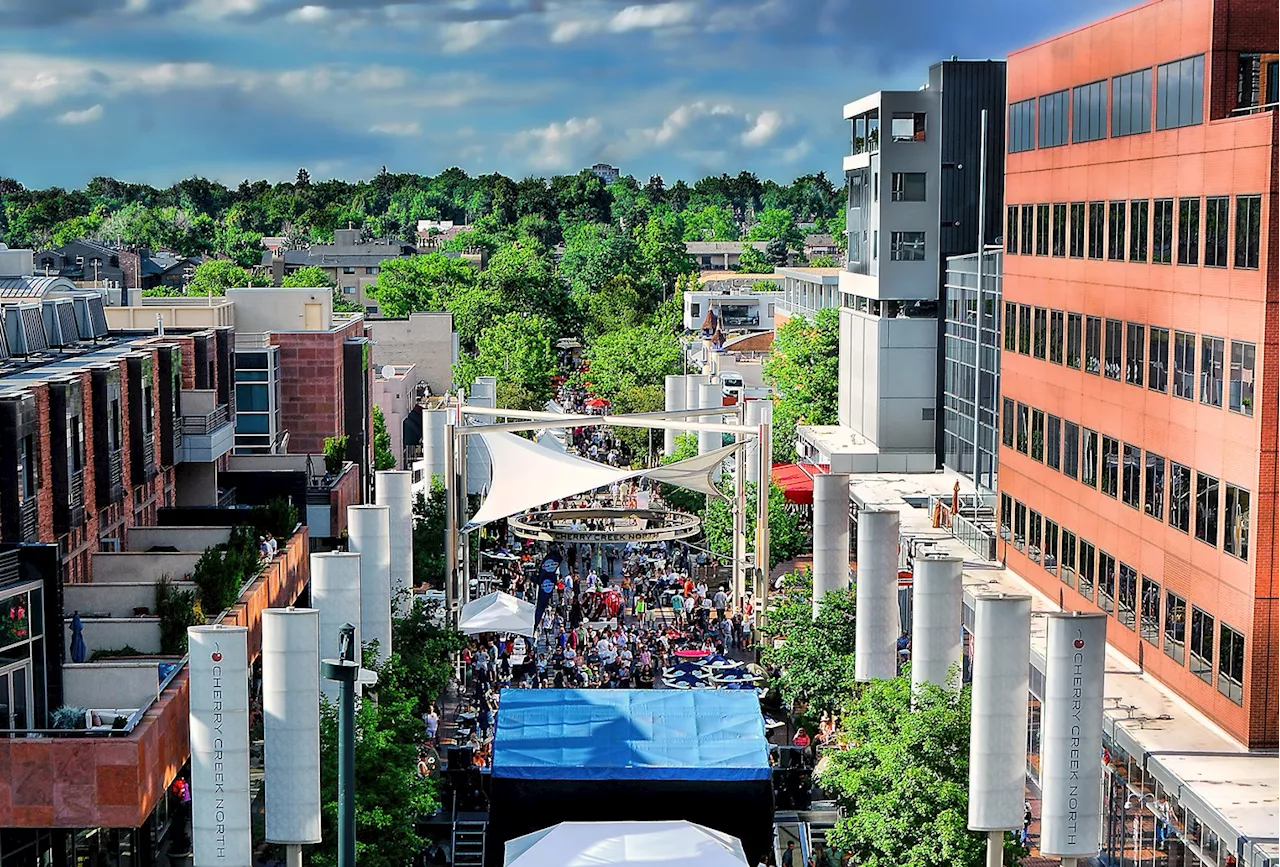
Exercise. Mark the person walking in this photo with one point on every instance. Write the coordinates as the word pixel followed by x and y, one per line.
pixel 642 608
pixel 789 856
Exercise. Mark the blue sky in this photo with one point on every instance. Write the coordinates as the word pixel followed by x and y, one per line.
pixel 157 90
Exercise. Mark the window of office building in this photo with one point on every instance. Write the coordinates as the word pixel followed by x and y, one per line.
pixel 1188 231
pixel 1006 428
pixel 1114 350
pixel 1037 434
pixel 1110 465
pixel 1010 326
pixel 906 246
pixel 1067 558
pixel 1131 103
pixel 1158 360
pixel 1248 230
pixel 1135 343
pixel 1131 476
pixel 1216 221
pixel 1053 119
pixel 1089 112
pixel 1153 503
pixel 1024 423
pixel 1162 232
pixel 1231 663
pixel 908 186
pixel 1024 329
pixel 1093 345
pixel 1055 336
pixel 1175 627
pixel 1180 93
pixel 1070 449
pixel 1127 595
pixel 1149 622
pixel 1184 365
pixel 1049 555
pixel 1042 230
pixel 1207 509
pixel 1089 458
pixel 907 126
pixel 1179 497
pixel 1019 525
pixel 1211 349
pixel 1053 442
pixel 1106 581
pixel 1116 212
pixel 1088 570
pixel 1033 536
pixel 1077 230
pixel 1060 229
pixel 1006 517
pixel 1252 88
pixel 1011 230
pixel 1235 530
pixel 1097 229
pixel 1138 230
pixel 1202 644
pixel 1040 340
pixel 1240 394
pixel 1073 340
pixel 1029 233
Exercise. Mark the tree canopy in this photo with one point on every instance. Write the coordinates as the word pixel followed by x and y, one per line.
pixel 804 368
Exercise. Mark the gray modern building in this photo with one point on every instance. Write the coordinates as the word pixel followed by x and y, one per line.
pixel 971 372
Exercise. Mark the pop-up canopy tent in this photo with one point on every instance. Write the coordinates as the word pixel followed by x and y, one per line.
pixel 497 612
pixel 634 844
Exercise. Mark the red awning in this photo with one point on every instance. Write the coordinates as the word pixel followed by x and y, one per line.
pixel 796 481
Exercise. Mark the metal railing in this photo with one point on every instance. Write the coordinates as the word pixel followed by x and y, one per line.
pixel 204 424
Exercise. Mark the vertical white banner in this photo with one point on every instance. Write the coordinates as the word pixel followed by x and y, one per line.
pixel 1071 737
pixel 219 688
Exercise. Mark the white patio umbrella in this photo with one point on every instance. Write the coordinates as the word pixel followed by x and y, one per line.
pixel 635 844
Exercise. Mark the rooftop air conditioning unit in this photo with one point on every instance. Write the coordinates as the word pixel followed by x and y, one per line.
pixel 91 319
pixel 59 317
pixel 24 326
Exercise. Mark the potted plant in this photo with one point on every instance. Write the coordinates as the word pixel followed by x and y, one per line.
pixel 335 453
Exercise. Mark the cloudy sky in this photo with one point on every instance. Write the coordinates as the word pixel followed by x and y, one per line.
pixel 157 90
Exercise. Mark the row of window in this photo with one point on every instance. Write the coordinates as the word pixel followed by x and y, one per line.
pixel 1120 470
pixel 1080 113
pixel 1132 599
pixel 1135 353
pixel 1160 232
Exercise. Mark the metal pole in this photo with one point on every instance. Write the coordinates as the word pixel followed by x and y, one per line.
pixel 764 433
pixel 344 670
pixel 464 588
pixel 293 855
pixel 739 514
pixel 995 848
pixel 450 519
pixel 982 243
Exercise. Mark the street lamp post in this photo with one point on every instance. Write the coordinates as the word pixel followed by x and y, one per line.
pixel 344 670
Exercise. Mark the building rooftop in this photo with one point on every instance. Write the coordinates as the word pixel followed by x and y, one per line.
pixel 822 276
pixel 694 248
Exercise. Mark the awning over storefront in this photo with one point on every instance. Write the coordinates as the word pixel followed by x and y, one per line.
pixel 796 481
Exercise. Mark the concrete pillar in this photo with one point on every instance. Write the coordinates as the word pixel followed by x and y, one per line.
pixel 369 535
pixel 395 491
pixel 335 593
pixel 675 400
pixel 709 395
pixel 830 535
pixel 433 424
pixel 752 419
pixel 876 654
pixel 937 611
pixel 766 418
pixel 692 396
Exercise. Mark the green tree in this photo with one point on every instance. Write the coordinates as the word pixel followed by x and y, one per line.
pixel 803 367
pixel 815 656
pixel 824 260
pixel 776 253
pixel 216 276
pixel 662 246
pixel 522 278
pixel 310 277
pixel 383 458
pixel 426 649
pixel 710 223
pixel 428 535
pixel 593 254
pixel 614 306
pixel 901 779
pixel 787 536
pixel 776 223
pixel 418 284
pixel 752 261
pixel 639 398
pixel 627 357
pixel 519 351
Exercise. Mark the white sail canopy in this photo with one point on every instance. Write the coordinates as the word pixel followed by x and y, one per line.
pixel 694 473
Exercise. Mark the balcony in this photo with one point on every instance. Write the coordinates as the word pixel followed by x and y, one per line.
pixel 207 431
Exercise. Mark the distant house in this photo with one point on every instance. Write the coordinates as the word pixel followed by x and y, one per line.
pixel 351 264
pixel 820 245
pixel 89 264
pixel 719 255
pixel 433 234
pixel 606 173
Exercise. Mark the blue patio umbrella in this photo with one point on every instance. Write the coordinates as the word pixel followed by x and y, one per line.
pixel 78 651
pixel 690 680
pixel 684 668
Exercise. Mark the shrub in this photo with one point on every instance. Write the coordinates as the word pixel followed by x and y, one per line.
pixel 68 717
pixel 335 453
pixel 278 517
pixel 178 609
pixel 223 570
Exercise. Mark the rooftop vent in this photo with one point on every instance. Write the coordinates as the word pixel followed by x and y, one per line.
pixel 91 319
pixel 60 322
pixel 24 326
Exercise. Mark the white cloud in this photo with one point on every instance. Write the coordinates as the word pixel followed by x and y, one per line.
pixel 308 14
pixel 681 119
pixel 797 151
pixel 459 36
pixel 555 145
pixel 399 129
pixel 217 9
pixel 765 127
pixel 654 17
pixel 571 29
pixel 87 115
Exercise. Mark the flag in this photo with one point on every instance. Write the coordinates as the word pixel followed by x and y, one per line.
pixel 548 574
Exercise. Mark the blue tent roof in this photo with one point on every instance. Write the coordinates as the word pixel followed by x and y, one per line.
pixel 624 734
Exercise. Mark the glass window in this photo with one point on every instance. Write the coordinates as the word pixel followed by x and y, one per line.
pixel 1097 229
pixel 1053 442
pixel 1127 595
pixel 1180 93
pixel 1211 349
pixel 1240 396
pixel 1077 230
pixel 1089 112
pixel 1024 329
pixel 252 398
pixel 1019 525
pixel 348 269
pixel 1093 345
pixel 908 186
pixel 1010 326
pixel 1006 517
pixel 1175 627
pixel 1070 449
pixel 1073 340
pixel 1088 569
pixel 907 126
pixel 1029 232
pixel 1011 230
pixel 1201 644
pixel 1154 501
pixel 1138 230
pixel 1248 230
pixel 1184 365
pixel 1110 465
pixel 1006 429
pixel 1024 436
pixel 1037 434
pixel 1207 509
pixel 1188 231
pixel 1060 229
pixel 1106 582
pixel 1042 230
pixel 1135 344
pixel 1131 476
pixel 1067 556
pixel 1115 231
pixel 1231 663
pixel 1158 362
pixel 1235 530
pixel 1049 557
pixel 1114 349
pixel 1089 458
pixel 1131 103
pixel 1053 119
pixel 906 246
pixel 1040 343
pixel 1179 497
pixel 1149 624
pixel 1055 336
pixel 1216 222
pixel 1162 232
pixel 1033 536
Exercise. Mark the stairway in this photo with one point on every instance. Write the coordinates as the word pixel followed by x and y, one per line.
pixel 468 843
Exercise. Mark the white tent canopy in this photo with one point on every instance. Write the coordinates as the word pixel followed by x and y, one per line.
pixel 497 612
pixel 635 844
